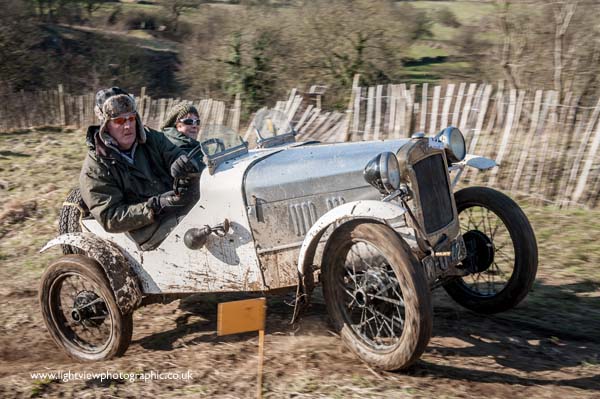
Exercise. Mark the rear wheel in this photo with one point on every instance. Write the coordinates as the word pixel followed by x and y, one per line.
pixel 501 252
pixel 80 310
pixel 376 295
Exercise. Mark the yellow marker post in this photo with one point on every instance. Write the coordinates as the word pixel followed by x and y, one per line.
pixel 245 316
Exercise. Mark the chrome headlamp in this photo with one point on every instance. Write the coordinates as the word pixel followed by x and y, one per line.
pixel 383 172
pixel 454 143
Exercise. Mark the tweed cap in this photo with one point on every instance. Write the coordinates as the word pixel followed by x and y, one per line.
pixel 178 111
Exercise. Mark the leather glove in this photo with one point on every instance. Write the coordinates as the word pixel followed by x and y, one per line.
pixel 164 202
pixel 184 166
pixel 182 186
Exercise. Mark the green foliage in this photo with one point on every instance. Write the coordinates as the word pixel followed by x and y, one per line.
pixel 446 17
pixel 39 387
pixel 21 48
pixel 253 80
pixel 322 42
pixel 418 22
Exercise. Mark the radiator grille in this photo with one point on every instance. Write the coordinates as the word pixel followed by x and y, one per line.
pixel 432 180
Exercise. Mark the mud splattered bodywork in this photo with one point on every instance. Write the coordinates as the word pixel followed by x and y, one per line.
pixel 272 199
pixel 290 191
pixel 121 270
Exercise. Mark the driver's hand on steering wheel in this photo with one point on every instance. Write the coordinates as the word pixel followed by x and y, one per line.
pixel 184 166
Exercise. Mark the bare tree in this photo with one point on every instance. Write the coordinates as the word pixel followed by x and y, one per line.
pixel 539 44
pixel 174 9
pixel 563 14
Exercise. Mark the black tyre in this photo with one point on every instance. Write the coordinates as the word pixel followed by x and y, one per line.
pixel 80 312
pixel 69 220
pixel 376 295
pixel 502 252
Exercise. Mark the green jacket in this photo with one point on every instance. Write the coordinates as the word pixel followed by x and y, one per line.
pixel 184 142
pixel 116 190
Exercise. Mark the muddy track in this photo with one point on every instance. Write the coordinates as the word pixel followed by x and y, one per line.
pixel 469 355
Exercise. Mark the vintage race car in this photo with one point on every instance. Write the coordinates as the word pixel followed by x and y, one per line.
pixel 377 224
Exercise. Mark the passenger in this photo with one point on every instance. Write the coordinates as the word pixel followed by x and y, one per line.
pixel 127 179
pixel 182 126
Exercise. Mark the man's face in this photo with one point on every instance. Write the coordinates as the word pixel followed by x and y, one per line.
pixel 188 125
pixel 122 128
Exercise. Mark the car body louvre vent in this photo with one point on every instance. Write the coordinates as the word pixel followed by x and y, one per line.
pixel 302 216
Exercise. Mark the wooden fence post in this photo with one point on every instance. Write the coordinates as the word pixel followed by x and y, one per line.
pixel 466 112
pixel 237 112
pixel 483 106
pixel 505 137
pixel 582 147
pixel 370 106
pixel 352 118
pixel 61 105
pixel 581 183
pixel 378 95
pixel 549 104
pixel 446 108
pixel 434 109
pixel 423 122
pixel 458 103
pixel 141 102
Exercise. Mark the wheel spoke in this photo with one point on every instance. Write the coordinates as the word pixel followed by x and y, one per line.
pixel 494 278
pixel 370 295
pixel 386 299
pixel 378 326
pixel 95 301
pixel 76 293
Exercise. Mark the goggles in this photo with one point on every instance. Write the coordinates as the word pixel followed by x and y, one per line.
pixel 190 121
pixel 120 120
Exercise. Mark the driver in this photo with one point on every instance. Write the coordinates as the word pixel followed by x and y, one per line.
pixel 127 179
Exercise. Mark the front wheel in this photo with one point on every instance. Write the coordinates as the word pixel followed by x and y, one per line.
pixel 501 252
pixel 376 295
pixel 80 311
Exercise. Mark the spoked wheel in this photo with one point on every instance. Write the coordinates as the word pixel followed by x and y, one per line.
pixel 376 295
pixel 80 311
pixel 501 252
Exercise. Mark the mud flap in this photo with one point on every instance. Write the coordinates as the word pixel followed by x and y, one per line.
pixel 117 265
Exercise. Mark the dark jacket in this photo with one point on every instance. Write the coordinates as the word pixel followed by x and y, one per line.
pixel 116 191
pixel 184 142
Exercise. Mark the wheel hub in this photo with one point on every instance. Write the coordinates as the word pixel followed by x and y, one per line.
pixel 375 283
pixel 88 308
pixel 480 251
pixel 361 298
